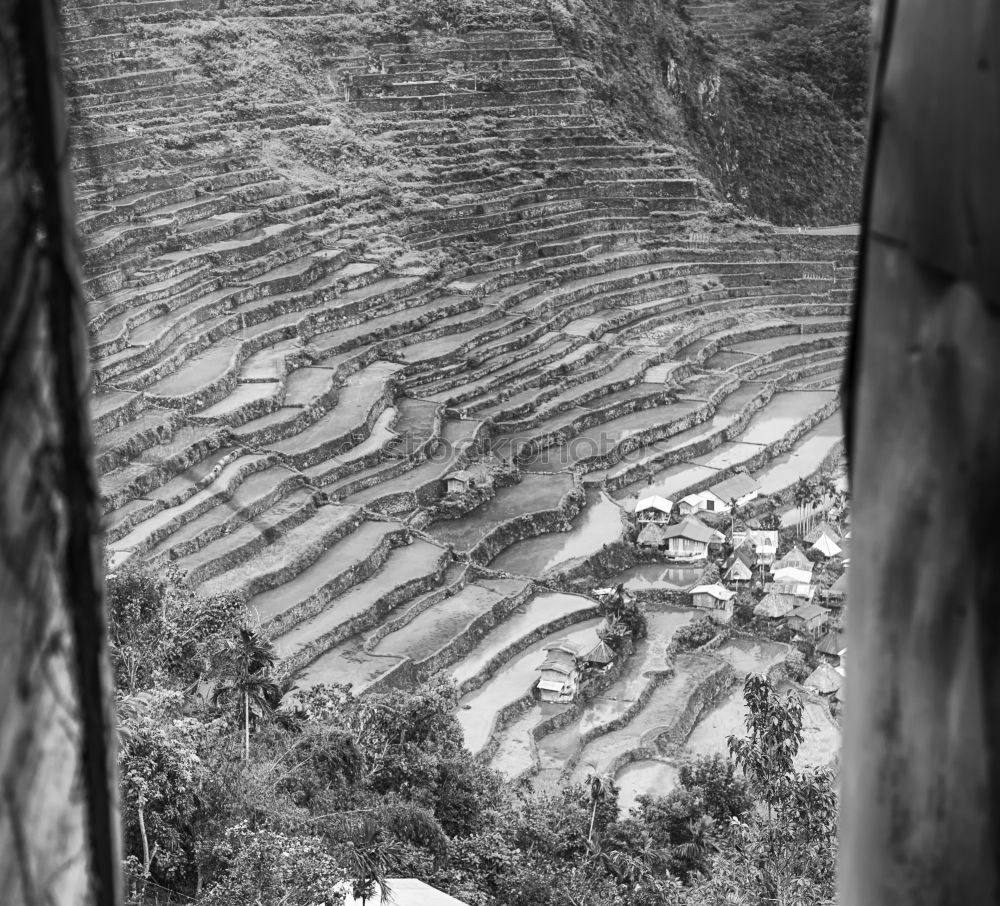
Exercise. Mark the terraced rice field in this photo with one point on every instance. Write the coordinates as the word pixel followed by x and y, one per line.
pixel 478 710
pixel 600 523
pixel 649 777
pixel 285 375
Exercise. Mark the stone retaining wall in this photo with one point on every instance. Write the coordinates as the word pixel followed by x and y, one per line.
pixel 528 525
pixel 365 620
pixel 471 635
pixel 337 585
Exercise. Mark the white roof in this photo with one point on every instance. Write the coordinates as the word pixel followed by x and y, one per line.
pixel 693 499
pixel 552 685
pixel 826 546
pixel 654 502
pixel 403 892
pixel 716 591
pixel 792 575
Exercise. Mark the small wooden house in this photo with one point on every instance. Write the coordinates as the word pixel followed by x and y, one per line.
pixel 651 535
pixel 716 599
pixel 692 503
pixel 654 509
pixel 802 590
pixel 824 679
pixel 826 546
pixel 836 594
pixel 831 645
pixel 765 543
pixel 689 539
pixel 719 498
pixel 824 528
pixel 458 482
pixel 809 619
pixel 739 567
pixel 740 487
pixel 795 558
pixel 774 605
pixel 793 575
pixel 560 673
pixel 599 656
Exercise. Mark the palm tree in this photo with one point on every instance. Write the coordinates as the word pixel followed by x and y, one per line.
pixel 800 496
pixel 734 514
pixel 817 497
pixel 371 857
pixel 247 664
pixel 828 488
pixel 696 850
pixel 598 785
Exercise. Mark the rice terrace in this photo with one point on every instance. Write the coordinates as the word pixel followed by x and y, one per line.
pixel 449 367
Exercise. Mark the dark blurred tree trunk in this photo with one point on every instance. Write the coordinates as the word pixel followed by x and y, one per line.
pixel 58 831
pixel 921 789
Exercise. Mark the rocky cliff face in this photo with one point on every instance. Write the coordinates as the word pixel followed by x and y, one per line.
pixel 768 97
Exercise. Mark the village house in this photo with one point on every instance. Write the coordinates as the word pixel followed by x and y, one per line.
pixel 795 558
pixel 809 619
pixel 826 546
pixel 692 503
pixel 824 679
pixel 689 539
pixel 765 543
pixel 560 673
pixel 793 575
pixel 740 487
pixel 829 647
pixel 599 657
pixel 651 535
pixel 458 482
pixel 775 605
pixel 796 589
pixel 716 599
pixel 824 528
pixel 836 594
pixel 654 509
pixel 739 566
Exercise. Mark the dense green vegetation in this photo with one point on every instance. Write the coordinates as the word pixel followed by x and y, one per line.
pixel 777 122
pixel 236 789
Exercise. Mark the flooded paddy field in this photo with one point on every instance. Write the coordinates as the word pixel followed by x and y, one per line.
pixel 600 523
pixel 533 494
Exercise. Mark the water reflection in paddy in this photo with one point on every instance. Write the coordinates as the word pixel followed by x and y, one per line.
pixel 648 777
pixel 600 523
pixel 657 576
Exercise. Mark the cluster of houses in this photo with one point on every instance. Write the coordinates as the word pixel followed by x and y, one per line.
pixel 790 594
pixel 690 539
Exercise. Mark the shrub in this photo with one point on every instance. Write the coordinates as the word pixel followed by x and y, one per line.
pixel 796 666
pixel 696 634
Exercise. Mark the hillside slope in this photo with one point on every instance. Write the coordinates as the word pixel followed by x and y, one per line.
pixel 769 97
pixel 366 317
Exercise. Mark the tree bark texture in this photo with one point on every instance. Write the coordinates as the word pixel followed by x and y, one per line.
pixel 921 786
pixel 58 830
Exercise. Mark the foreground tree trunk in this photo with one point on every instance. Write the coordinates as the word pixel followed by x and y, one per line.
pixel 921 789
pixel 58 831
